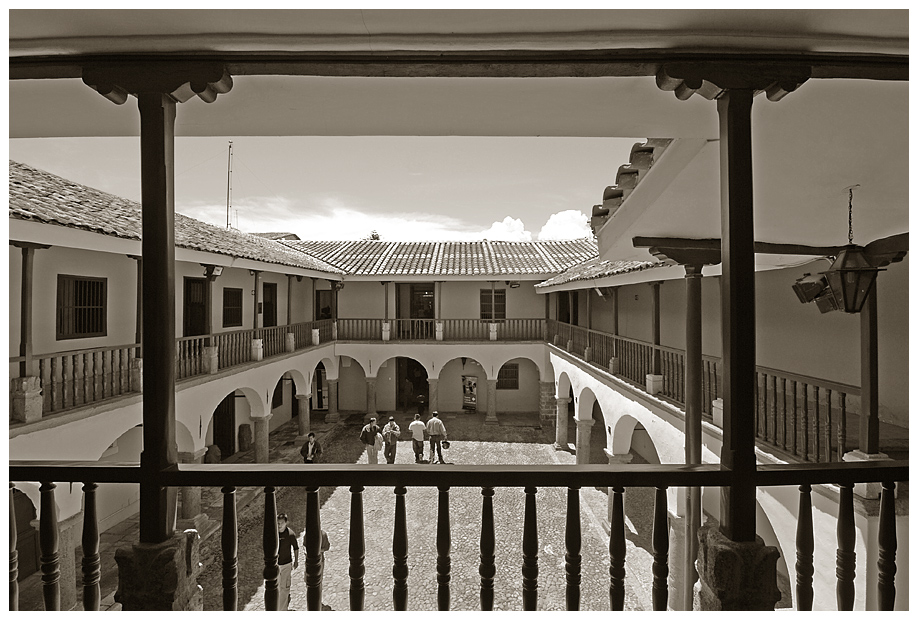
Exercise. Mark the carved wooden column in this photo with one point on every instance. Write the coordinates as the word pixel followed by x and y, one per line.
pixel 26 389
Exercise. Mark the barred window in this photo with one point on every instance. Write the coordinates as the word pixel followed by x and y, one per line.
pixel 81 307
pixel 508 377
pixel 232 307
pixel 493 304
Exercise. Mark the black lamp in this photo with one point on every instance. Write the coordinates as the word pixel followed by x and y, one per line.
pixel 850 278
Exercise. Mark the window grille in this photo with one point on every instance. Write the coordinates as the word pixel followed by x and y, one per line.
pixel 81 307
pixel 493 304
pixel 508 377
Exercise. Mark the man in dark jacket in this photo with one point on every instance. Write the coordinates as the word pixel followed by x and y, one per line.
pixel 368 436
pixel 311 450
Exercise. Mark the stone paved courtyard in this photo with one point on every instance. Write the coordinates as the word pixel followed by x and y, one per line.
pixel 465 509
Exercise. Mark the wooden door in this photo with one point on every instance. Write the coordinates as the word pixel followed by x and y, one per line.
pixel 194 307
pixel 269 297
pixel 225 426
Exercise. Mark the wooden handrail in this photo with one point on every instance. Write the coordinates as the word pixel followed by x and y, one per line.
pixel 192 474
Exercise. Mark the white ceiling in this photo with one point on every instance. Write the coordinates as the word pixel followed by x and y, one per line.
pixel 808 148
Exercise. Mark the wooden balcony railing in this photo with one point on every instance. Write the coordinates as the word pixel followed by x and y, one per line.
pixel 803 416
pixel 360 329
pixel 412 329
pixel 75 378
pixel 492 480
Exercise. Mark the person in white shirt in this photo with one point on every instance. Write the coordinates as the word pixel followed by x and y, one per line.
pixel 417 429
pixel 437 432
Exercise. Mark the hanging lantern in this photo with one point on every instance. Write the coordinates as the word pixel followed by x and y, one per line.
pixel 851 278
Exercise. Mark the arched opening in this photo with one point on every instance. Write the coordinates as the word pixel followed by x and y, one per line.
pixel 221 432
pixel 412 391
pixel 569 419
pixel 462 386
pixel 26 536
pixel 319 389
pixel 598 435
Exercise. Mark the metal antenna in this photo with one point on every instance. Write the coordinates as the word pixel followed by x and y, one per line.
pixel 229 184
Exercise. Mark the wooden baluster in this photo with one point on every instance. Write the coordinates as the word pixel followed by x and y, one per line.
pixel 828 427
pixel 443 549
pixel 816 434
pixel 805 550
pixel 106 373
pixel 400 553
pixel 774 410
pixel 44 377
pixel 49 542
pixel 486 567
pixel 660 538
pixel 14 555
pixel 92 561
pixel 793 417
pixel 229 545
pixel 572 544
pixel 530 553
pixel 758 407
pixel 845 556
pixel 98 376
pixel 356 550
pixel 805 424
pixel 312 543
pixel 78 374
pixel 271 545
pixel 784 413
pixel 886 563
pixel 842 425
pixel 617 551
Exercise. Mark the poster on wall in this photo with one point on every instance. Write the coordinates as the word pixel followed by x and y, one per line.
pixel 469 392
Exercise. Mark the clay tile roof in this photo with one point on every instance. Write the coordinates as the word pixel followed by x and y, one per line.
pixel 277 236
pixel 450 258
pixel 595 268
pixel 39 196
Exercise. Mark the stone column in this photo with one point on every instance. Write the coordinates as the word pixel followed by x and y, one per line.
pixel 332 416
pixel 677 565
pixel 161 576
pixel 258 349
pixel 191 516
pixel 561 423
pixel 25 399
pixel 546 402
pixel 735 576
pixel 303 421
pixel 290 342
pixel 491 415
pixel 583 441
pixel 434 396
pixel 211 360
pixel 261 437
pixel 371 399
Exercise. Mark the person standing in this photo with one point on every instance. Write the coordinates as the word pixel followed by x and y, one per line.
pixel 311 450
pixel 418 430
pixel 390 432
pixel 369 435
pixel 437 432
pixel 422 401
pixel 288 553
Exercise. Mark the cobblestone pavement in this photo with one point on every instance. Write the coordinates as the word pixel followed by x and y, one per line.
pixel 465 509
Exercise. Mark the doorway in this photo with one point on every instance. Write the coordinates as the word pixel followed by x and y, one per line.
pixel 323 305
pixel 319 389
pixel 411 382
pixel 269 297
pixel 225 426
pixel 415 301
pixel 194 307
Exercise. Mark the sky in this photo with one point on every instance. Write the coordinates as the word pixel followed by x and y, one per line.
pixel 344 188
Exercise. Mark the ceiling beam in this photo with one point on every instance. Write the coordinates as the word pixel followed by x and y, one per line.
pixel 499 63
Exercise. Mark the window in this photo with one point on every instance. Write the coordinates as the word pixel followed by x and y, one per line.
pixel 493 304
pixel 232 307
pixel 508 377
pixel 81 307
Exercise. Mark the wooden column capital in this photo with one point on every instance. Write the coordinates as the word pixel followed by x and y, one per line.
pixel 712 79
pixel 178 80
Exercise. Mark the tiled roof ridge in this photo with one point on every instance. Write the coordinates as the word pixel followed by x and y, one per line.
pixel 384 256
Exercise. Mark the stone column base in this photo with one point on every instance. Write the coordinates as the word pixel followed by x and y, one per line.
pixel 332 417
pixel 867 490
pixel 211 360
pixel 615 365
pixel 717 411
pixel 491 418
pixel 258 349
pixel 290 342
pixel 386 331
pixel 654 384
pixel 315 337
pixel 25 399
pixel 735 576
pixel 161 576
pixel 137 374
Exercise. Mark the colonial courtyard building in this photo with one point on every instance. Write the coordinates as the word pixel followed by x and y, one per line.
pixel 756 362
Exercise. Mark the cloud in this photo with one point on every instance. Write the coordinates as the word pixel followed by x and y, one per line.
pixel 570 224
pixel 509 229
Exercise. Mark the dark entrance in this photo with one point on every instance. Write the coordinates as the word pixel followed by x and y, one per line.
pixel 269 297
pixel 415 301
pixel 411 381
pixel 567 307
pixel 323 305
pixel 225 426
pixel 320 389
pixel 598 436
pixel 26 536
pixel 194 313
pixel 571 424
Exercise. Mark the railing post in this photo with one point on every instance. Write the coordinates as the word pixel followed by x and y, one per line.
pixel 845 556
pixel 660 543
pixel 356 551
pixel 270 546
pixel 92 563
pixel 530 553
pixel 572 545
pixel 617 550
pixel 400 552
pixel 312 543
pixel 229 546
pixel 886 562
pixel 693 439
pixel 444 543
pixel 49 541
pixel 804 567
pixel 486 568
